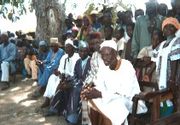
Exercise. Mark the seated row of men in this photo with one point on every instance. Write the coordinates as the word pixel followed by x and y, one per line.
pixel 111 81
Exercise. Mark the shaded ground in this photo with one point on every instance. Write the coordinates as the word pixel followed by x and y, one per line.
pixel 17 109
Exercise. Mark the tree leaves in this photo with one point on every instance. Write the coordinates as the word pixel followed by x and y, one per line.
pixel 14 12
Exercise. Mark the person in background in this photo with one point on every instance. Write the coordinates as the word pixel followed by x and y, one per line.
pixel 30 61
pixel 120 40
pixel 108 32
pixel 138 13
pixel 86 28
pixel 8 52
pixel 96 26
pixel 78 22
pixel 176 9
pixel 129 29
pixel 143 28
pixel 42 54
pixel 146 54
pixel 162 9
pixel 106 21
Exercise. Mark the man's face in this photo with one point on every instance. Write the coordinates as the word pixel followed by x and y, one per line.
pixel 151 10
pixel 83 53
pixel 108 55
pixel 130 31
pixel 54 47
pixel 4 38
pixel 169 30
pixel 69 49
pixel 108 32
pixel 94 45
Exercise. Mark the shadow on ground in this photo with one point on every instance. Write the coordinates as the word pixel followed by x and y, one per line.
pixel 17 109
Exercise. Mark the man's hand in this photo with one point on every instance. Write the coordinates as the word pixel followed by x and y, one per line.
pixel 90 93
pixel 56 72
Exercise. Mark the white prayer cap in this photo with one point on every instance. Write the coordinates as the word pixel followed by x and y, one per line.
pixel 69 41
pixel 109 43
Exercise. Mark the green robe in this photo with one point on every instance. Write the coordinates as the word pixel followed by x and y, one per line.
pixel 141 35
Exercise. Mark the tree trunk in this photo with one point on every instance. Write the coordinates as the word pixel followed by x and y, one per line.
pixel 50 19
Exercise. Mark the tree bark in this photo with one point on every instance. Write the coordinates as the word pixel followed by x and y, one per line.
pixel 50 19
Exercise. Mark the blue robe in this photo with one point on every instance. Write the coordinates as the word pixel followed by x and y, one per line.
pixel 51 63
pixel 73 104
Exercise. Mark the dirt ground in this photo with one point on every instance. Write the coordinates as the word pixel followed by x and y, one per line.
pixel 16 108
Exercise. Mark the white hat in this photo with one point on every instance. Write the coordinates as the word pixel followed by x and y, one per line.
pixel 54 40
pixel 69 41
pixel 94 12
pixel 109 43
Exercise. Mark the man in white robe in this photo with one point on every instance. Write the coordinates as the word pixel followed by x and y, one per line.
pixel 114 88
pixel 66 67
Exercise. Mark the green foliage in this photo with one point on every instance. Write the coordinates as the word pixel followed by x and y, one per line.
pixel 90 8
pixel 12 9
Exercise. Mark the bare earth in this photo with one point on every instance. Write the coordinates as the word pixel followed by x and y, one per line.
pixel 16 108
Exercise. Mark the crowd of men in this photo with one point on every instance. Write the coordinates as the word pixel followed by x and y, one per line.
pixel 90 78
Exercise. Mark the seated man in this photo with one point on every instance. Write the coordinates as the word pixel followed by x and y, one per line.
pixel 116 84
pixel 80 73
pixel 66 66
pixel 7 56
pixel 30 63
pixel 50 64
pixel 42 54
pixel 68 100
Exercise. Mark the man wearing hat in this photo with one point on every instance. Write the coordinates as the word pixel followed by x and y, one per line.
pixel 81 70
pixel 96 26
pixel 7 57
pixel 167 57
pixel 50 63
pixel 42 54
pixel 66 66
pixel 112 93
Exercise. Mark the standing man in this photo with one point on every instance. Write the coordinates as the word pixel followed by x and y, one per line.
pixel 144 27
pixel 7 56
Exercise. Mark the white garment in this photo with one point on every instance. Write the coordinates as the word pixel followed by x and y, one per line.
pixel 120 44
pixel 178 33
pixel 5 71
pixel 117 89
pixel 163 56
pixel 162 64
pixel 54 80
pixel 145 52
